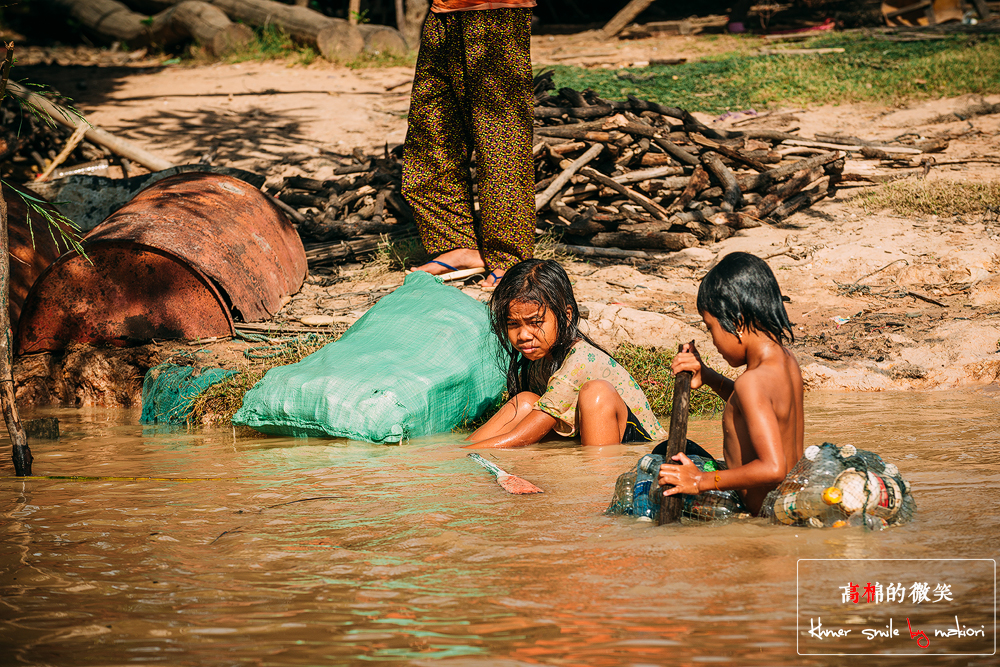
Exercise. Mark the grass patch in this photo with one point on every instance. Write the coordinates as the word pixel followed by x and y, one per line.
pixel 651 369
pixel 218 403
pixel 545 247
pixel 272 43
pixel 870 70
pixel 396 255
pixel 921 197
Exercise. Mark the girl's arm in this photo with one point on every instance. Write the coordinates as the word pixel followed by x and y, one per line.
pixel 688 359
pixel 535 426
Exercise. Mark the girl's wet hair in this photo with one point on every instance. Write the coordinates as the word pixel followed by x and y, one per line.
pixel 741 291
pixel 542 282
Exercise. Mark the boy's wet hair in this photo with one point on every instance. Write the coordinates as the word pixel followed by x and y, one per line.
pixel 543 282
pixel 741 291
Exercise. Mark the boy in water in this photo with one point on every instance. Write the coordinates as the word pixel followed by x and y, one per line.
pixel 762 424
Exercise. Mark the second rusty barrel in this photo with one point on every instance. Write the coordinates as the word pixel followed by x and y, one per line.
pixel 185 258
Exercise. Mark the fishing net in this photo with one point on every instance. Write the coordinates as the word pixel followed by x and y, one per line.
pixel 638 494
pixel 829 487
pixel 169 391
pixel 419 362
pixel 835 486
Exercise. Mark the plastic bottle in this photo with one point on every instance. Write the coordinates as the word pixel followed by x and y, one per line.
pixel 621 503
pixel 711 506
pixel 816 497
pixel 784 508
pixel 647 471
pixel 889 493
pixel 813 501
pixel 873 494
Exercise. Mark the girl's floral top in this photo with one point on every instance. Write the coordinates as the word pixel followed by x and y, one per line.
pixel 584 363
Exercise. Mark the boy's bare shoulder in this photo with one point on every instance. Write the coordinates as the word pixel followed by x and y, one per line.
pixel 778 373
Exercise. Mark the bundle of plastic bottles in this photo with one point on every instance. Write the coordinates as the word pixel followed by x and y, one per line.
pixel 638 494
pixel 835 486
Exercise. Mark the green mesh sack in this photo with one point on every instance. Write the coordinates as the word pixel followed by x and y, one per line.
pixel 169 390
pixel 420 362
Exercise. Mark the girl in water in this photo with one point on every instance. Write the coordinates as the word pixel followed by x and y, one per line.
pixel 558 378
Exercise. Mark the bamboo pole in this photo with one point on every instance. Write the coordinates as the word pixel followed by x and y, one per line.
pixel 21 453
pixel 95 135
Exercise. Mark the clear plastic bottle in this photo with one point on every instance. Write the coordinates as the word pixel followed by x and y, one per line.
pixel 647 472
pixel 621 503
pixel 813 499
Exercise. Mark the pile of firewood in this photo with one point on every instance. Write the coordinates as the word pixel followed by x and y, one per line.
pixel 640 175
pixel 613 179
pixel 29 145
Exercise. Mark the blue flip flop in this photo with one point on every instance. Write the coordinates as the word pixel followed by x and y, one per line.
pixel 435 261
pixel 496 278
pixel 438 262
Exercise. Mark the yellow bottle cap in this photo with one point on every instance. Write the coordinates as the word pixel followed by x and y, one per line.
pixel 832 495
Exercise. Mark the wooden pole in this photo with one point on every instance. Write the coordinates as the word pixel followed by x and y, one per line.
pixel 543 198
pixel 73 142
pixel 96 135
pixel 21 453
pixel 624 17
pixel 670 507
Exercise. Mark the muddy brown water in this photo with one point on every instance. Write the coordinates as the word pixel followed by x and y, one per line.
pixel 308 552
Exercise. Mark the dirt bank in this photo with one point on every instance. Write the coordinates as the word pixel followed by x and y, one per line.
pixel 879 301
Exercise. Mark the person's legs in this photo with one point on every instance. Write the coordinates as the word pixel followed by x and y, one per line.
pixel 509 416
pixel 436 177
pixel 500 95
pixel 601 414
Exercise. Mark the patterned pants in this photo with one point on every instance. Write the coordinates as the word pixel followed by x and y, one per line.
pixel 473 91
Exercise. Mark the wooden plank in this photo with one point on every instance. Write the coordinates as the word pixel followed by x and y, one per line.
pixel 624 17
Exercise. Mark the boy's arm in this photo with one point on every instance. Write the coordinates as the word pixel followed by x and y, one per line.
pixel 754 404
pixel 688 359
pixel 535 425
pixel 718 382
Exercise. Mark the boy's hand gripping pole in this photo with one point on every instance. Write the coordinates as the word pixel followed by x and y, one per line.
pixel 510 483
pixel 670 506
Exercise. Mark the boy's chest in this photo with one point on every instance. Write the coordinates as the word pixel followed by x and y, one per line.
pixel 736 445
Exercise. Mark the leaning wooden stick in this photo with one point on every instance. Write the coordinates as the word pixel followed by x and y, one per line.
pixel 510 483
pixel 670 506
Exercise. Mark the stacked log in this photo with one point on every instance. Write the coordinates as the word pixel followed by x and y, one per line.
pixel 352 213
pixel 219 25
pixel 612 179
pixel 660 179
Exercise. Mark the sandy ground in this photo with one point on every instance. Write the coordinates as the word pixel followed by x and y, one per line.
pixel 283 120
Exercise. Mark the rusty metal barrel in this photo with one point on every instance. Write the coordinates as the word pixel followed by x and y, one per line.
pixel 186 258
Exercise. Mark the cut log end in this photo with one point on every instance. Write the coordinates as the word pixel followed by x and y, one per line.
pixel 340 43
pixel 383 39
pixel 230 39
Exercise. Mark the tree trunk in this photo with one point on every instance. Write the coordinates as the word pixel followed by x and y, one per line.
pixel 410 15
pixel 21 453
